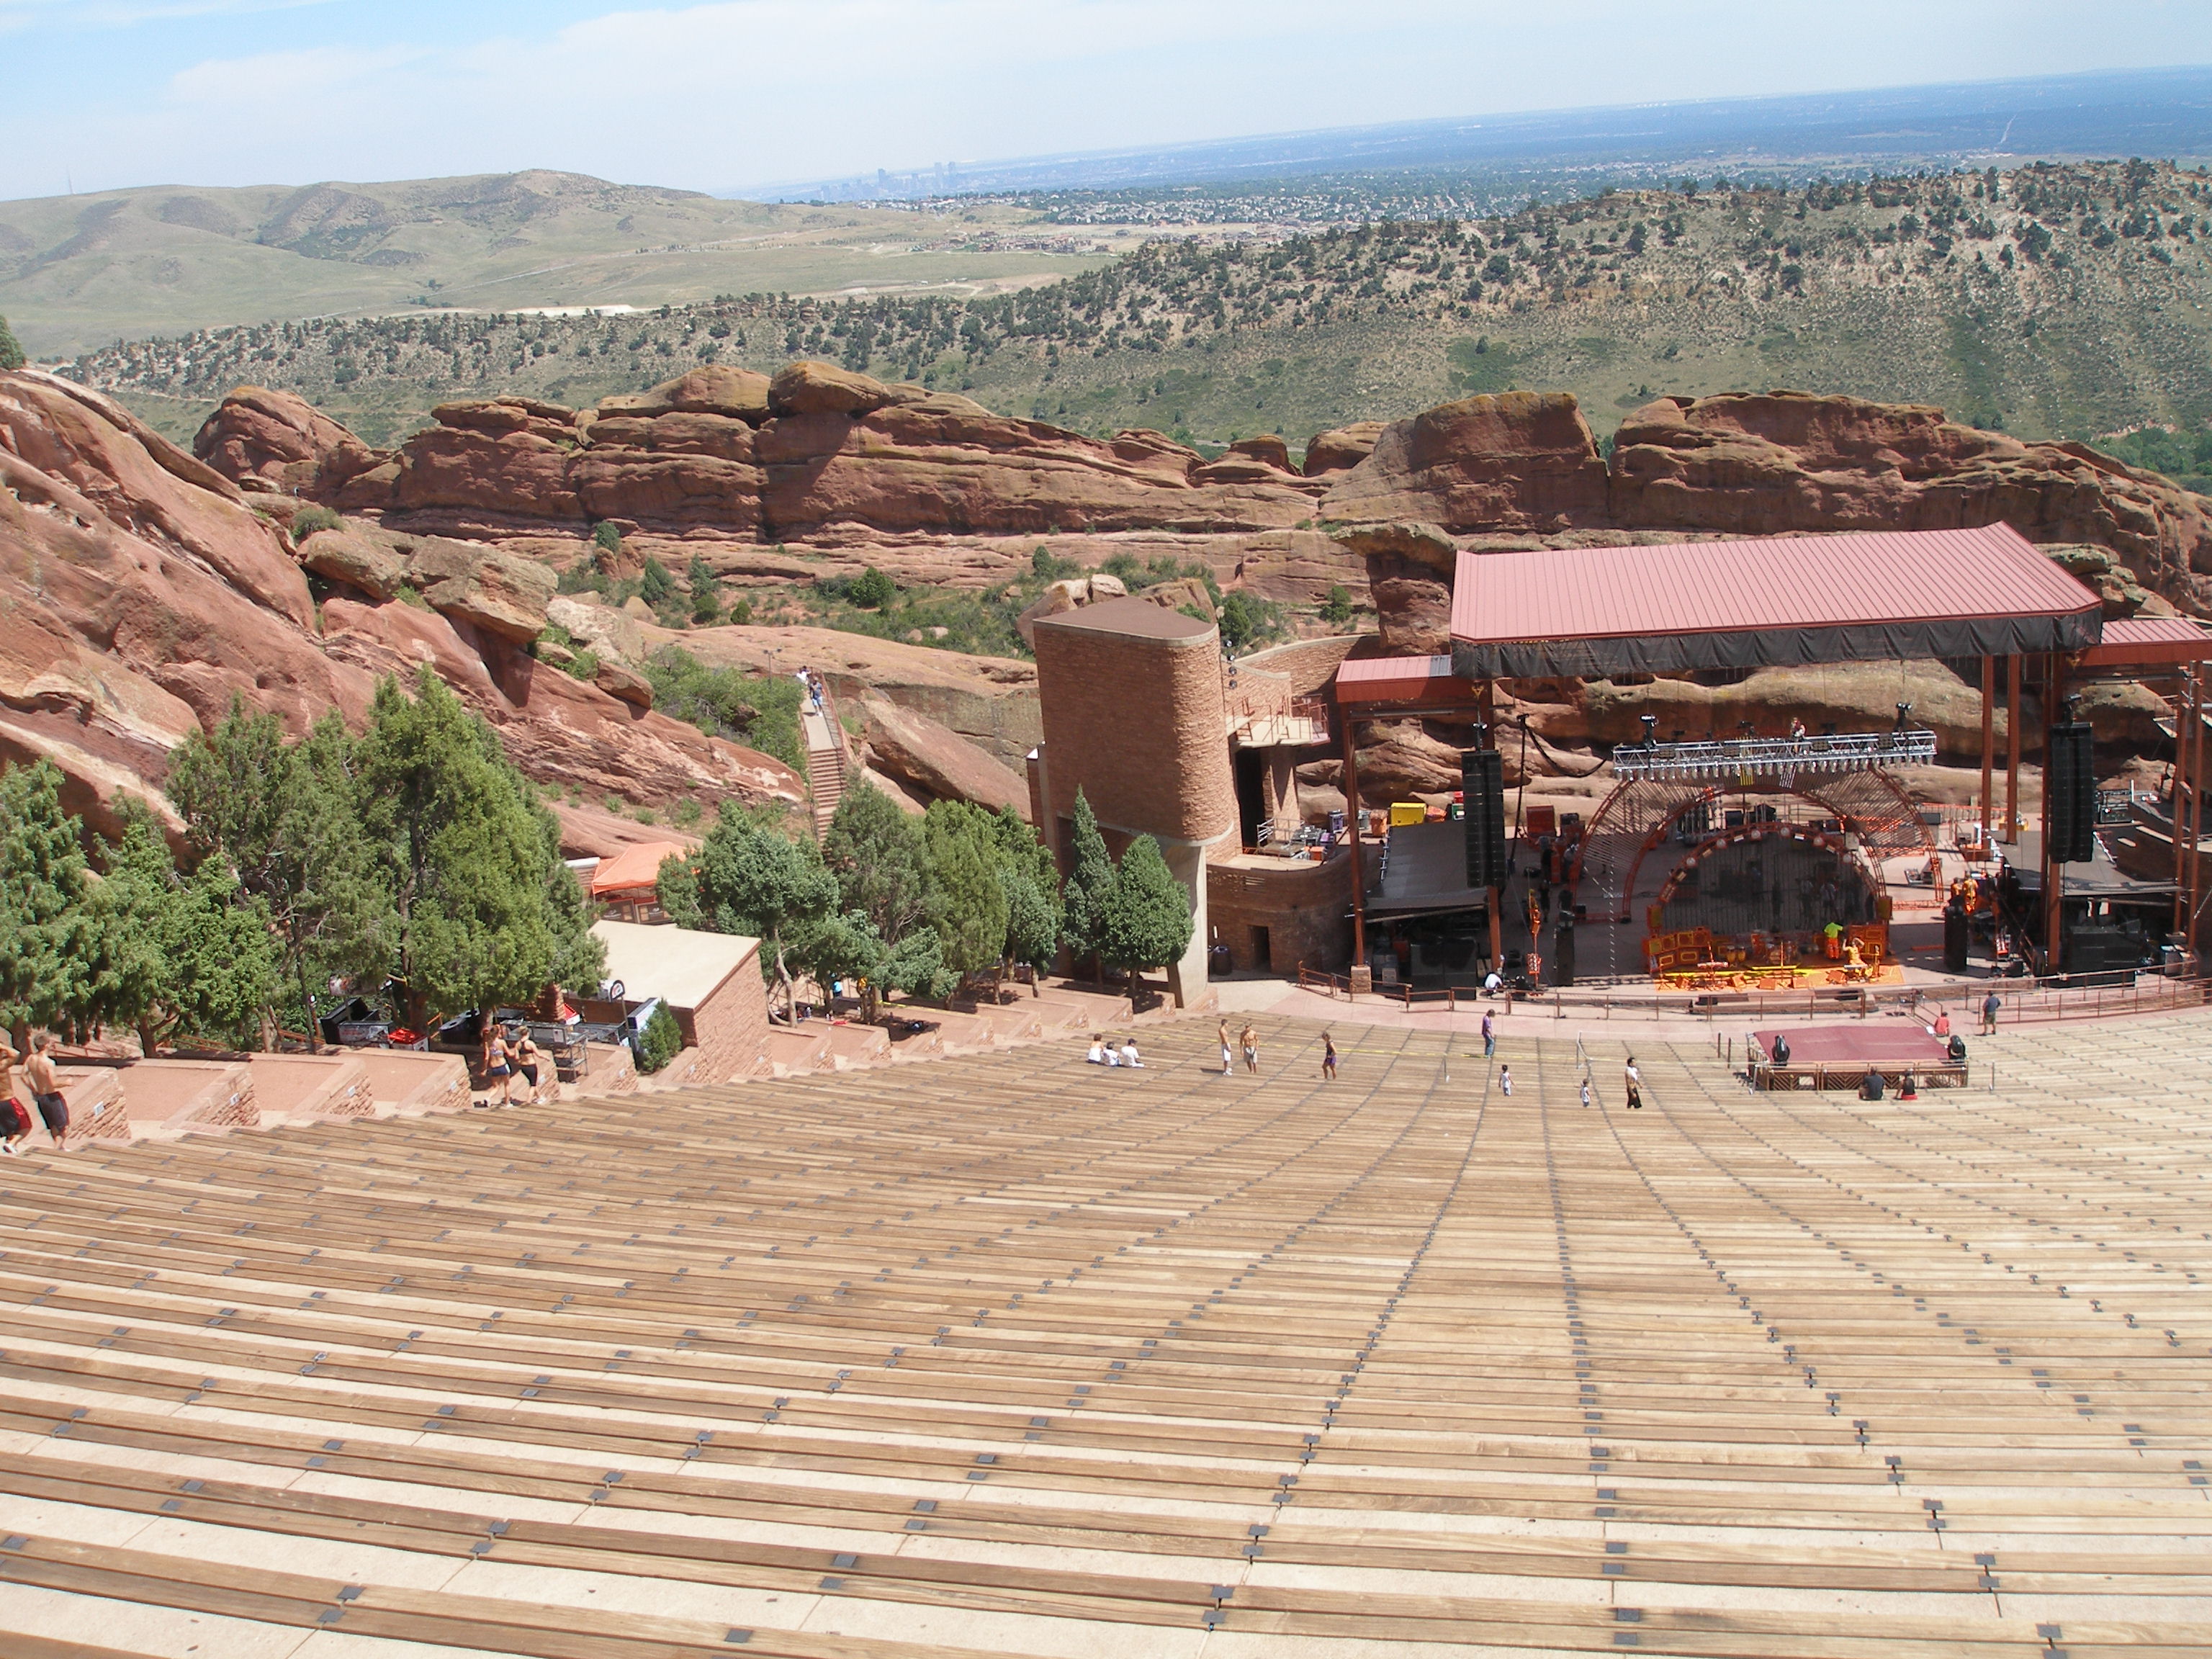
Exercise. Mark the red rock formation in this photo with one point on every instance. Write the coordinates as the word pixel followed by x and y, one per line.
pixel 142 594
pixel 284 441
pixel 1754 464
pixel 1341 449
pixel 1521 460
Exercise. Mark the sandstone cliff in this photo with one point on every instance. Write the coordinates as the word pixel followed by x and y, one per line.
pixel 142 592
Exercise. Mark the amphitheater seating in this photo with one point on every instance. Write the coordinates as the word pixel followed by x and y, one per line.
pixel 1004 1354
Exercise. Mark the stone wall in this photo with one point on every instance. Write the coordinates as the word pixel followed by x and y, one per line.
pixel 730 1028
pixel 1305 908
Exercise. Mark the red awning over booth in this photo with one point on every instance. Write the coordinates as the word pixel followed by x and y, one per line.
pixel 634 870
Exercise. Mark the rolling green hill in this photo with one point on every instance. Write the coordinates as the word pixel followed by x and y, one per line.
pixel 2054 300
pixel 77 271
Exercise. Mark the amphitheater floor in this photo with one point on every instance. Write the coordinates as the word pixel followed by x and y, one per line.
pixel 1010 1354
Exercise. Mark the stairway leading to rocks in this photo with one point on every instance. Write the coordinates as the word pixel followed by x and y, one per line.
pixel 825 761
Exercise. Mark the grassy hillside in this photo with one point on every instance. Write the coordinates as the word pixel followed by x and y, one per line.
pixel 77 271
pixel 2054 300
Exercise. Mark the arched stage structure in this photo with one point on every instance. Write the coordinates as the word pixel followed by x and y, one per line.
pixel 1644 807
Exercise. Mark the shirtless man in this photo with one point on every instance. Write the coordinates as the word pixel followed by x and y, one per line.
pixel 1227 1065
pixel 14 1117
pixel 1251 1042
pixel 46 1086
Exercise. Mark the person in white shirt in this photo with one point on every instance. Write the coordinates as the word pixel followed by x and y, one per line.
pixel 1129 1053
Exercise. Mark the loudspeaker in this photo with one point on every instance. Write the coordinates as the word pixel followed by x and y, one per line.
pixel 1954 940
pixel 1482 788
pixel 2069 793
pixel 1563 954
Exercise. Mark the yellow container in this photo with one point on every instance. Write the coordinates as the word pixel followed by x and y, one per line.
pixel 1407 812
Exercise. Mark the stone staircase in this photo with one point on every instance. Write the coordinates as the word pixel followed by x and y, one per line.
pixel 826 760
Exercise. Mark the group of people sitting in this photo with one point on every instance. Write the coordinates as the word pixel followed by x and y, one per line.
pixel 1105 1052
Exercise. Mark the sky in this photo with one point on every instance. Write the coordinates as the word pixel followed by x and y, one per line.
pixel 99 95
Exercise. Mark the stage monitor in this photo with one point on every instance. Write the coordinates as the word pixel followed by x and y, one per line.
pixel 1482 790
pixel 2069 809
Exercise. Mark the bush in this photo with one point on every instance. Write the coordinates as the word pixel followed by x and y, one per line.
pixel 741 612
pixel 871 590
pixel 656 587
pixel 308 519
pixel 11 350
pixel 1337 607
pixel 584 666
pixel 606 537
pixel 408 593
pixel 762 713
pixel 660 1041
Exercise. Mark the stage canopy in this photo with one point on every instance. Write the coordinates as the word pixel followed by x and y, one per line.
pixel 1594 612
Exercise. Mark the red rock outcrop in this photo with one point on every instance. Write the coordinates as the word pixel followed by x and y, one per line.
pixel 142 594
pixel 1520 460
pixel 1341 448
pixel 1755 464
pixel 284 442
pixel 918 752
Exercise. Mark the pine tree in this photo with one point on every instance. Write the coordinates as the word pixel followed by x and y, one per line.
pixel 283 819
pixel 1090 885
pixel 467 857
pixel 749 879
pixel 1035 915
pixel 11 351
pixel 1148 920
pixel 180 955
pixel 968 899
pixel 49 941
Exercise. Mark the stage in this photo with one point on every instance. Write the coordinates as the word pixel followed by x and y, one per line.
pixel 1837 1056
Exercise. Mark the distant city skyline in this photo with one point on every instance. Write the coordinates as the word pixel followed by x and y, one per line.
pixel 109 93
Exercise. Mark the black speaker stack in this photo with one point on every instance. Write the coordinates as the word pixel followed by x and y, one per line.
pixel 1482 796
pixel 2069 809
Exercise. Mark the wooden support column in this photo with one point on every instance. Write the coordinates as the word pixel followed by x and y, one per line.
pixel 1350 781
pixel 1488 705
pixel 2185 712
pixel 2012 746
pixel 1989 743
pixel 2054 898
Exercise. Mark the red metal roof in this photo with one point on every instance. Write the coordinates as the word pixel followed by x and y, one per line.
pixel 2144 641
pixel 1863 579
pixel 1399 679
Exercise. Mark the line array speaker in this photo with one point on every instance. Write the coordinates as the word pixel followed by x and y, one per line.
pixel 1482 791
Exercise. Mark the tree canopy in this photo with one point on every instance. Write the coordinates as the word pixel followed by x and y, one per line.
pixel 50 942
pixel 1148 921
pixel 749 877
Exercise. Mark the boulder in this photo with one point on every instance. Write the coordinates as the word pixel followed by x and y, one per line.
pixel 372 566
pixel 1067 595
pixel 608 632
pixel 2115 584
pixel 1341 448
pixel 1517 460
pixel 1403 543
pixel 617 679
pixel 282 442
pixel 813 388
pixel 500 416
pixel 718 389
pixel 918 752
pixel 499 592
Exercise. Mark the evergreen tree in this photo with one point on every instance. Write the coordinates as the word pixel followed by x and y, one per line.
pixel 968 896
pixel 1090 885
pixel 749 879
pixel 11 352
pixel 876 852
pixel 284 821
pixel 1148 920
pixel 180 955
pixel 49 942
pixel 1034 913
pixel 466 856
